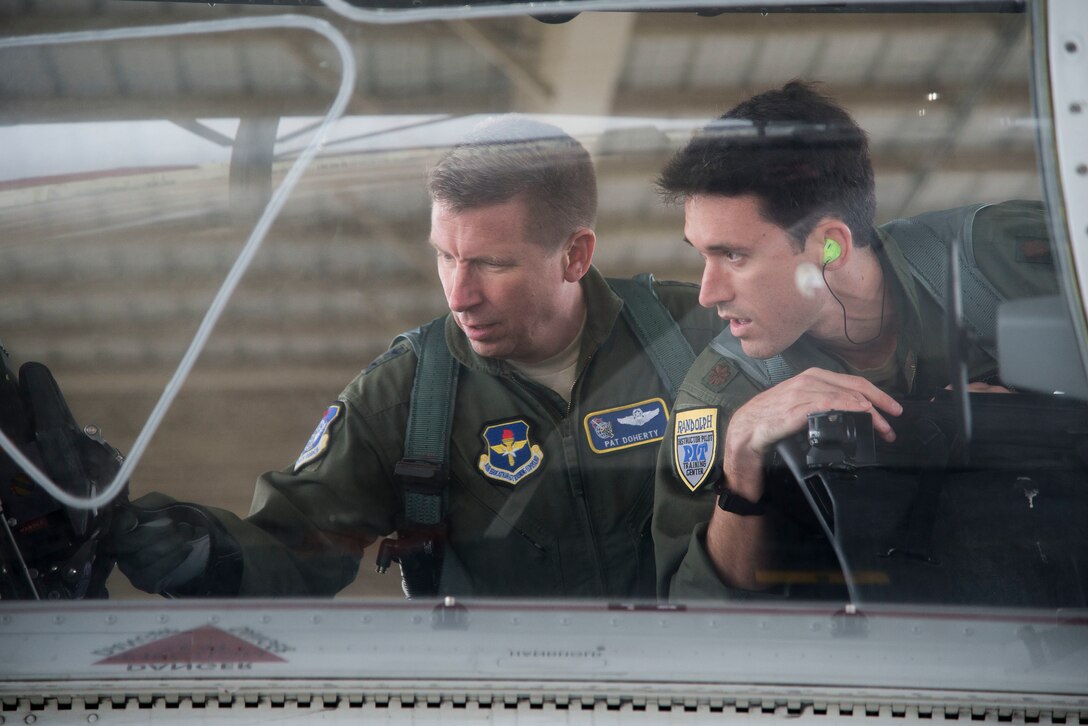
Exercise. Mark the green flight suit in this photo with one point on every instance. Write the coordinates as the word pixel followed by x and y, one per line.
pixel 570 520
pixel 681 515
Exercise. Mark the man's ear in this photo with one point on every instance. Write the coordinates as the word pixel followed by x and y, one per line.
pixel 579 254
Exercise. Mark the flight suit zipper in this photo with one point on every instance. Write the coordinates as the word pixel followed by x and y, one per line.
pixel 912 370
pixel 569 431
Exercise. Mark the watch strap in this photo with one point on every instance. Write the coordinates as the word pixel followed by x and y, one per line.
pixel 732 502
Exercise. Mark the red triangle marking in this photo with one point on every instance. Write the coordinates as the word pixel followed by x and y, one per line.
pixel 206 644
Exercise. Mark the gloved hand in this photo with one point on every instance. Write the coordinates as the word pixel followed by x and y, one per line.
pixel 160 545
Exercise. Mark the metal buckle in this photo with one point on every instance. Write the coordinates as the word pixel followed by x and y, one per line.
pixel 422 477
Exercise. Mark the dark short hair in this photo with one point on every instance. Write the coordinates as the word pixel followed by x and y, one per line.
pixel 512 157
pixel 796 150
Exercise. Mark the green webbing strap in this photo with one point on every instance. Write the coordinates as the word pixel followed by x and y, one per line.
pixel 656 329
pixel 778 369
pixel 766 373
pixel 430 420
pixel 927 255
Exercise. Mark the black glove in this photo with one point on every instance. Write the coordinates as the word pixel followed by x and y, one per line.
pixel 49 550
pixel 173 548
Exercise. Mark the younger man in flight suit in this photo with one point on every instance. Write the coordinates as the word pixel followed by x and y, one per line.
pixel 783 218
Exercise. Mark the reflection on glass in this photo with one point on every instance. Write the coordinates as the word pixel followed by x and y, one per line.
pixel 134 172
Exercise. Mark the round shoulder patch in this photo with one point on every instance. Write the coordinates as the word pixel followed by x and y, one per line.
pixel 318 443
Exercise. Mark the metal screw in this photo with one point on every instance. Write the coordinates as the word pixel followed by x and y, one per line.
pixel 1076 107
pixel 1071 46
pixel 1082 169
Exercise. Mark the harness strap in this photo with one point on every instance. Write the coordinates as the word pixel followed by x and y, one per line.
pixel 766 372
pixel 424 470
pixel 655 328
pixel 778 369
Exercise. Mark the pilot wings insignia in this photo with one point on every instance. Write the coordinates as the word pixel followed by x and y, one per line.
pixel 639 417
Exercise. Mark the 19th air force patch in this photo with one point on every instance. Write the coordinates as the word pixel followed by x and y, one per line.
pixel 319 439
pixel 622 427
pixel 509 456
pixel 695 440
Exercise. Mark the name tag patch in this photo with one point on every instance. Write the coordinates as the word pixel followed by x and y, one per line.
pixel 319 439
pixel 509 456
pixel 623 427
pixel 695 440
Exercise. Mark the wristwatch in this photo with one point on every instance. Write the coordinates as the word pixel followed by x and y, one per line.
pixel 729 501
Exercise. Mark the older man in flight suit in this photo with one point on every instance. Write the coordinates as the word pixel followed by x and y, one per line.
pixel 557 415
pixel 783 219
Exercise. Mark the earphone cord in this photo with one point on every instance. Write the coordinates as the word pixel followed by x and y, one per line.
pixel 883 300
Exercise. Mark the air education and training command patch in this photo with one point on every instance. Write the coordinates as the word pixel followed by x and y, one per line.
pixel 695 445
pixel 622 427
pixel 319 439
pixel 508 455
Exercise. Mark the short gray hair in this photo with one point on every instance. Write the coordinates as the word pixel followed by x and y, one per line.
pixel 511 157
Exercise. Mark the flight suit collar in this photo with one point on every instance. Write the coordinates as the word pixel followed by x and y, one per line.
pixel 602 308
pixel 908 310
pixel 903 294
